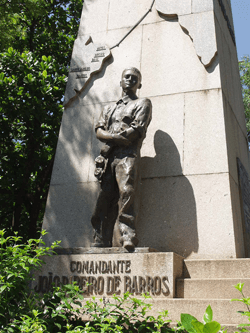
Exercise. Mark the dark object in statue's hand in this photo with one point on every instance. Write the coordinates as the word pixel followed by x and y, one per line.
pixel 100 167
pixel 106 150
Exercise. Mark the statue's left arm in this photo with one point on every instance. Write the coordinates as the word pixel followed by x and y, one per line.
pixel 143 116
pixel 137 128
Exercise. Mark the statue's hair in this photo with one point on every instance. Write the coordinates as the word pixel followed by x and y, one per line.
pixel 135 70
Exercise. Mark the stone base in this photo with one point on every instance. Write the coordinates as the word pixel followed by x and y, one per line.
pixel 114 272
pixel 102 250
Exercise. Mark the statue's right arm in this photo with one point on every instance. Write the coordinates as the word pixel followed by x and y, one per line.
pixel 116 139
pixel 103 136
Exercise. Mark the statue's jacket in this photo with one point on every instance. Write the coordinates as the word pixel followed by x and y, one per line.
pixel 127 112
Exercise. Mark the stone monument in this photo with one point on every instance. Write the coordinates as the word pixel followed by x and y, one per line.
pixel 185 50
pixel 192 202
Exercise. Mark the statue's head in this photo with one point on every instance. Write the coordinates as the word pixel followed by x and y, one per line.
pixel 131 79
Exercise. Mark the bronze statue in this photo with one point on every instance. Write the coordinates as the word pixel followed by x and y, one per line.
pixel 122 127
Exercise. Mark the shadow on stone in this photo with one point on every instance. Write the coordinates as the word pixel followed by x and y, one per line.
pixel 167 216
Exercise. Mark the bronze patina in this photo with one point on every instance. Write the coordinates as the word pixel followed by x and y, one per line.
pixel 122 127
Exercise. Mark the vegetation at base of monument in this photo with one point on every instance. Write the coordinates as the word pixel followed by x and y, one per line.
pixel 61 309
pixel 36 42
pixel 246 301
pixel 190 324
pixel 244 67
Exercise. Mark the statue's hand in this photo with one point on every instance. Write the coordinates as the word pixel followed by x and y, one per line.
pixel 105 150
pixel 120 140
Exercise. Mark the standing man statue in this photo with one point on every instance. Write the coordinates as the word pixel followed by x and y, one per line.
pixel 122 127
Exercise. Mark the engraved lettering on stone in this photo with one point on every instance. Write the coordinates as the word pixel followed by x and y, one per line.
pixel 150 285
pixel 167 291
pixel 101 48
pixel 128 269
pixel 83 69
pixel 73 266
pixel 142 285
pixel 79 267
pixel 99 55
pixel 100 285
pixel 117 281
pixel 81 76
pixel 65 280
pixel 85 58
pixel 110 285
pixel 56 281
pixel 114 278
pixel 157 285
pixel 127 284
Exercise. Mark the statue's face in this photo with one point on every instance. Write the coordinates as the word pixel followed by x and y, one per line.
pixel 130 81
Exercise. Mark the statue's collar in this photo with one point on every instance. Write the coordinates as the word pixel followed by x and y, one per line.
pixel 127 98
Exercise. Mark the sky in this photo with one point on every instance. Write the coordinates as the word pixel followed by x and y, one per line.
pixel 241 17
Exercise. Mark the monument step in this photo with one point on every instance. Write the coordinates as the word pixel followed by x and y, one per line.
pixel 210 288
pixel 224 311
pixel 216 269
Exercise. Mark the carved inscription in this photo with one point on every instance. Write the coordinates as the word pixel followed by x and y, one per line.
pixel 81 76
pixel 78 69
pixel 87 59
pixel 99 55
pixel 106 277
pixel 101 48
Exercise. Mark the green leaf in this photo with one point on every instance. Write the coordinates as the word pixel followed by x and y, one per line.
pixel 239 287
pixel 243 325
pixel 45 73
pixel 29 77
pixel 208 316
pixel 59 326
pixel 212 327
pixel 2 288
pixel 186 322
pixel 198 326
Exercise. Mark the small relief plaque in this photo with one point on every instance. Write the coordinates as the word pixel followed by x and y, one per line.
pixel 245 193
pixel 87 59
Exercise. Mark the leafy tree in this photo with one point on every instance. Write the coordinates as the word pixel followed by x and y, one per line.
pixel 33 74
pixel 244 67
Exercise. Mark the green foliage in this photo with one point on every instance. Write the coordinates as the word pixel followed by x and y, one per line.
pixel 192 325
pixel 244 67
pixel 246 301
pixel 61 309
pixel 43 26
pixel 17 261
pixel 33 72
pixel 124 314
pixel 30 114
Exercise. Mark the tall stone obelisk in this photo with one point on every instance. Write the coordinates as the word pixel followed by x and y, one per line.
pixel 190 195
